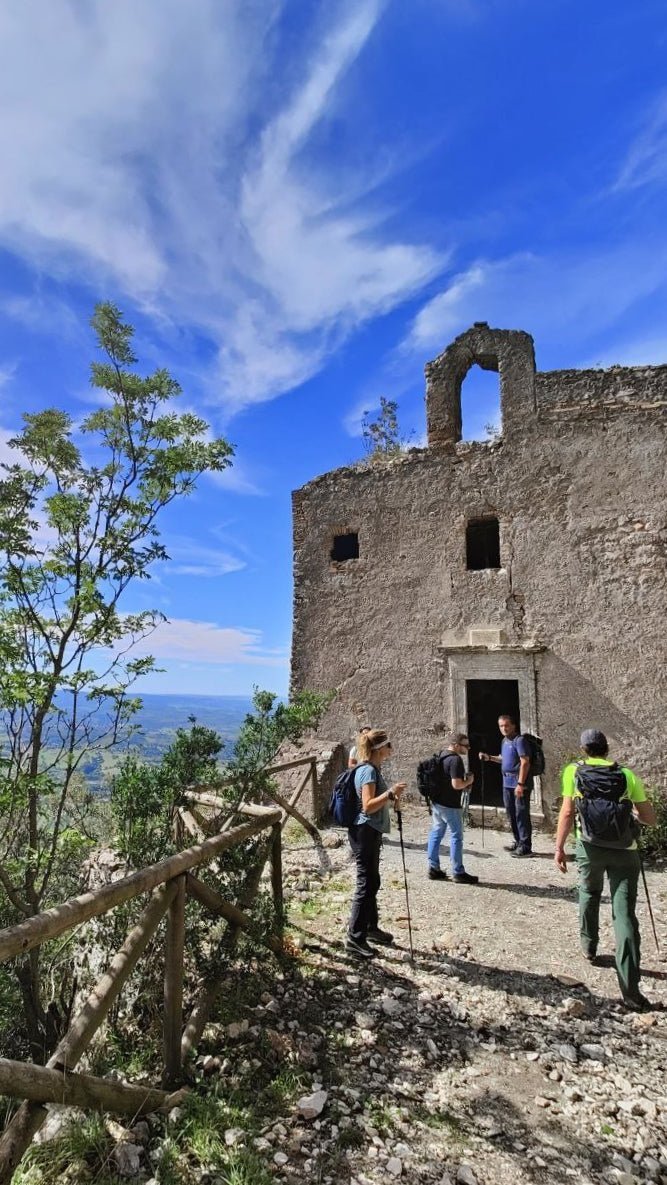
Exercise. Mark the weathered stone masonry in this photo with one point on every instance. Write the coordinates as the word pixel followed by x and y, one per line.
pixel 575 614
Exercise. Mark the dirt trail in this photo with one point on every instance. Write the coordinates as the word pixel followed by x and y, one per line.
pixel 501 1056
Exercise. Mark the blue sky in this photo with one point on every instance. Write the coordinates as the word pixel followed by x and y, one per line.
pixel 298 204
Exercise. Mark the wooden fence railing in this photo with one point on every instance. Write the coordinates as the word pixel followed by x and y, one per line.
pixel 170 882
pixel 202 801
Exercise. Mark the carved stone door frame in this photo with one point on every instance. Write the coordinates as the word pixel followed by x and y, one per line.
pixel 465 663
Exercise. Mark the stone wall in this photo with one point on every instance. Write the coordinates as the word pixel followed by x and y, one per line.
pixel 576 610
pixel 331 759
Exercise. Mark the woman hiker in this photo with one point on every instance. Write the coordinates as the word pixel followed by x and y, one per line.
pixel 372 822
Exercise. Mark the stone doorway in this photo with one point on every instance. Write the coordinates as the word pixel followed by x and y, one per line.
pixel 486 700
pixel 512 670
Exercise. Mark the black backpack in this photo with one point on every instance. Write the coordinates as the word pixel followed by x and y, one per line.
pixel 604 810
pixel 431 779
pixel 344 803
pixel 535 752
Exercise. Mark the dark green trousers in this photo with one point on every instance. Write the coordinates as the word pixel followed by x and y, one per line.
pixel 622 869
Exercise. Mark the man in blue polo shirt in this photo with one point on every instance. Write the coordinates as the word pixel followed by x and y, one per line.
pixel 514 760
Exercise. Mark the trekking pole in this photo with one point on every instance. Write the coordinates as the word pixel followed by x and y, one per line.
pixel 482 764
pixel 399 823
pixel 648 902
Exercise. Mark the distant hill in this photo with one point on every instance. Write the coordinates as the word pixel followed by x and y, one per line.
pixel 161 715
pixel 158 720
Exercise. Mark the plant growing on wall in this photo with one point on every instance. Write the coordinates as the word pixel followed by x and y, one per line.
pixel 79 513
pixel 382 436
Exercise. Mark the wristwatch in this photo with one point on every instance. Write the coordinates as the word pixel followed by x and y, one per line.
pixel 521 785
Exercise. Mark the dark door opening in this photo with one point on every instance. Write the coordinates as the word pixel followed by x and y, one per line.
pixel 487 699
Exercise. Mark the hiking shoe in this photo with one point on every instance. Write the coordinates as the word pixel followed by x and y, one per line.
pixel 382 937
pixel 637 1003
pixel 436 874
pixel 591 956
pixel 521 854
pixel 359 948
pixel 511 847
pixel 465 878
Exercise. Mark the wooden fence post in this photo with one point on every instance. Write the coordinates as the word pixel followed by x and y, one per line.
pixel 27 1121
pixel 173 986
pixel 43 1085
pixel 313 792
pixel 277 875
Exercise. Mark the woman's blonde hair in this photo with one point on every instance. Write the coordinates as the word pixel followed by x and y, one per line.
pixel 368 741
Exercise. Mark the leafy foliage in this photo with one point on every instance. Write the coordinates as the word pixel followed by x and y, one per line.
pixel 266 729
pixel 653 840
pixel 382 436
pixel 143 802
pixel 79 513
pixel 143 797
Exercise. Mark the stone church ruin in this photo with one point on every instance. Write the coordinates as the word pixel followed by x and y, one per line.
pixel 525 574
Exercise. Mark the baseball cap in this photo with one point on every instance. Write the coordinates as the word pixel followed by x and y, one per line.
pixel 592 736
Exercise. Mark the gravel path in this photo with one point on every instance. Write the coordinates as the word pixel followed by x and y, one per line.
pixel 501 1056
pixel 521 918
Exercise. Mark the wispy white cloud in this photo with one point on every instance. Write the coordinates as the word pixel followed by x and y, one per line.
pixel 208 642
pixel 8 455
pixel 580 295
pixel 130 155
pixel 7 373
pixel 646 159
pixel 237 479
pixel 188 557
pixel 634 351
pixel 354 417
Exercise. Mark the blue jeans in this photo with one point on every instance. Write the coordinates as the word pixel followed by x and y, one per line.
pixel 444 817
pixel 518 813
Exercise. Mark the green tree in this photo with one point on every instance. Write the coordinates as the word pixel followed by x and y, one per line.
pixel 78 526
pixel 263 732
pixel 144 797
pixel 382 436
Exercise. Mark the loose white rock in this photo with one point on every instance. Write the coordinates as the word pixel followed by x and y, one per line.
pixel 364 1020
pixel 568 1053
pixel 312 1105
pixel 234 1135
pixel 128 1159
pixel 390 1006
pixel 594 1052
pixel 465 1175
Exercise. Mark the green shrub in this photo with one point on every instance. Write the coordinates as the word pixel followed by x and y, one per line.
pixel 653 840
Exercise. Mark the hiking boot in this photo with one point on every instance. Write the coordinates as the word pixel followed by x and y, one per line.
pixel 637 1003
pixel 591 956
pixel 521 854
pixel 465 878
pixel 382 937
pixel 436 874
pixel 359 948
pixel 511 847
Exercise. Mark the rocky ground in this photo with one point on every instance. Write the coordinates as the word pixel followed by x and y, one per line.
pixel 498 1056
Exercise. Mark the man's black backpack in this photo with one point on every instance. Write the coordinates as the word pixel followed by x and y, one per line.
pixel 535 752
pixel 604 810
pixel 344 803
pixel 431 779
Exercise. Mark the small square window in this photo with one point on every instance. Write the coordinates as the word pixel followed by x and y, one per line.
pixel 345 547
pixel 482 544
